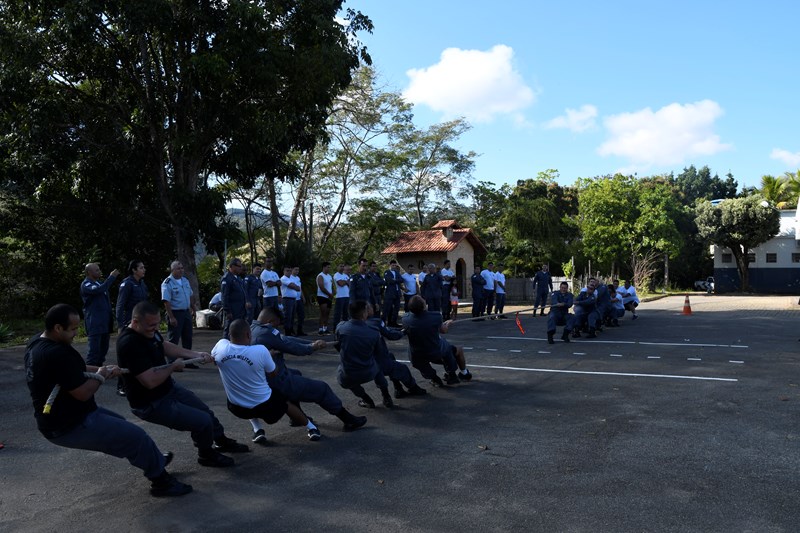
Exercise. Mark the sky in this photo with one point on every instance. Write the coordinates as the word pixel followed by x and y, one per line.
pixel 593 88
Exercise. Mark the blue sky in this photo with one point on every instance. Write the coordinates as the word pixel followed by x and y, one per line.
pixel 592 88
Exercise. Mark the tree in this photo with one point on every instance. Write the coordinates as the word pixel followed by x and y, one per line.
pixel 185 89
pixel 739 224
pixel 700 185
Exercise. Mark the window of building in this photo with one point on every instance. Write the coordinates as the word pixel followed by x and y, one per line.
pixel 795 258
pixel 728 258
pixel 751 257
pixel 772 258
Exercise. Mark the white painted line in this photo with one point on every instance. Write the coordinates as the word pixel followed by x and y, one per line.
pixel 737 362
pixel 616 355
pixel 654 357
pixel 515 351
pixel 631 342
pixel 491 349
pixel 578 353
pixel 540 351
pixel 623 374
pixel 467 347
pixel 693 359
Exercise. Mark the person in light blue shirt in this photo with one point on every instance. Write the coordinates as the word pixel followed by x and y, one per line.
pixel 178 299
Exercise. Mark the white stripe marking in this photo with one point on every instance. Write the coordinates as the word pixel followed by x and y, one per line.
pixel 491 349
pixel 654 357
pixel 467 347
pixel 578 353
pixel 632 342
pixel 515 351
pixel 693 359
pixel 737 362
pixel 625 374
pixel 616 355
pixel 540 351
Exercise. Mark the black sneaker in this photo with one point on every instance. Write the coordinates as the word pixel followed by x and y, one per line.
pixel 400 394
pixel 466 375
pixel 228 445
pixel 368 404
pixel 314 434
pixel 260 437
pixel 168 457
pixel 565 336
pixel 165 485
pixel 416 390
pixel 293 424
pixel 121 388
pixel 451 378
pixel 436 381
pixel 215 459
pixel 550 337
pixel 354 423
pixel 387 402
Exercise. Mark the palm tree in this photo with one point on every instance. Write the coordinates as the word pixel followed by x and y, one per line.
pixel 773 189
pixel 792 187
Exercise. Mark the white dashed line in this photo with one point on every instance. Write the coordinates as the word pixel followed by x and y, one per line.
pixel 467 347
pixel 693 359
pixel 491 349
pixel 654 357
pixel 616 355
pixel 631 342
pixel 737 362
pixel 578 353
pixel 515 351
pixel 540 351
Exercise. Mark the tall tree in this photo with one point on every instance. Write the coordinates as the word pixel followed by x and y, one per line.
pixel 738 224
pixel 701 185
pixel 194 88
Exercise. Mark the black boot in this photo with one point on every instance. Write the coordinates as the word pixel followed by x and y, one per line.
pixel 351 422
pixel 399 391
pixel 591 334
pixel 565 336
pixel 416 390
pixel 550 337
pixel 121 387
pixel 387 398
pixel 366 401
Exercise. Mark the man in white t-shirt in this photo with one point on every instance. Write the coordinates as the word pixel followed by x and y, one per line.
pixel 289 291
pixel 488 288
pixel 324 297
pixel 341 281
pixel 448 276
pixel 409 286
pixel 630 300
pixel 244 369
pixel 500 291
pixel 270 281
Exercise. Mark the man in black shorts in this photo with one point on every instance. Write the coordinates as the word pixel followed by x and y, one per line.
pixel 244 370
pixel 426 346
pixel 75 420
pixel 155 397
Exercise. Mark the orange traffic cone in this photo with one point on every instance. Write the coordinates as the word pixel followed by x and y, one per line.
pixel 687 308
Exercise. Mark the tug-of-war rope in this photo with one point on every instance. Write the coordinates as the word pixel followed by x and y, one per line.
pixel 48 405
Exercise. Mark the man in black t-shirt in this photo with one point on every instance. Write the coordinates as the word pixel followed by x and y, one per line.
pixel 75 420
pixel 154 396
pixel 426 346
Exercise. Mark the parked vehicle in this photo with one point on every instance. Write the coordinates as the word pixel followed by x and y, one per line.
pixel 705 284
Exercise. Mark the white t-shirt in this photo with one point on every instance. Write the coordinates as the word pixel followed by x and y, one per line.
pixel 296 281
pixel 244 370
pixel 342 291
pixel 286 291
pixel 631 295
pixel 488 276
pixel 447 272
pixel 269 275
pixel 327 282
pixel 410 282
pixel 500 278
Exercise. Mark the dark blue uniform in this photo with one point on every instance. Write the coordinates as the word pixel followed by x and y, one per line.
pixel 391 298
pixel 431 290
pixel 288 381
pixel 359 348
pixel 477 282
pixel 560 316
pixel 386 361
pixel 604 306
pixel 377 288
pixel 97 318
pixel 586 311
pixel 361 289
pixel 131 292
pixel 426 346
pixel 252 286
pixel 233 300
pixel 542 286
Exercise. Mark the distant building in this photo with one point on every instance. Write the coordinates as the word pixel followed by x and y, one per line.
pixel 774 266
pixel 446 240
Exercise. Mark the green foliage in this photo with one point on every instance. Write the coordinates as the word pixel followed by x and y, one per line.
pixel 739 224
pixel 700 185
pixel 6 333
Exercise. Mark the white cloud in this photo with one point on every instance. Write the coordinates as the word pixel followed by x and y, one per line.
pixel 576 120
pixel 788 158
pixel 471 83
pixel 669 136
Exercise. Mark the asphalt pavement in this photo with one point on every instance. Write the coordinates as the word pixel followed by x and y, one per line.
pixel 671 422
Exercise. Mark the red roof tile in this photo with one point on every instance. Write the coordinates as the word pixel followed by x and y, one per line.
pixel 442 224
pixel 432 241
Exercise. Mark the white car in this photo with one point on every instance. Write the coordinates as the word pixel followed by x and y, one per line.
pixel 705 285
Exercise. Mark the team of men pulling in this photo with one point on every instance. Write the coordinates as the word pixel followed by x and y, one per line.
pixel 258 384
